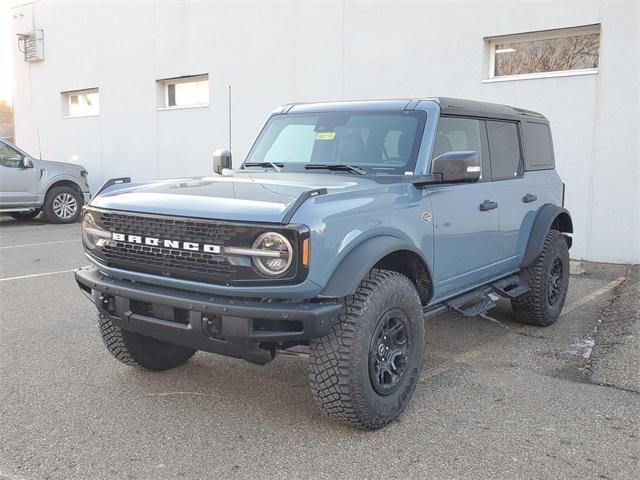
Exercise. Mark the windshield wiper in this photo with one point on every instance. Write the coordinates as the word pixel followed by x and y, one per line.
pixel 335 166
pixel 276 166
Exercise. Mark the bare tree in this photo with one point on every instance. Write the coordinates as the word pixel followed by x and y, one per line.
pixel 550 55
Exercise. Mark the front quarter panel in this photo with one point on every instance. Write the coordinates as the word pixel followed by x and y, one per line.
pixel 340 222
pixel 50 173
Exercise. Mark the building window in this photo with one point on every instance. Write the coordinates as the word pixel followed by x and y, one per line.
pixel 567 51
pixel 182 92
pixel 81 103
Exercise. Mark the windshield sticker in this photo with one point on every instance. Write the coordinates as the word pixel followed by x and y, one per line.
pixel 325 135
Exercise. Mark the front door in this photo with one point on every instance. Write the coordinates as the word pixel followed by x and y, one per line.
pixel 18 185
pixel 465 216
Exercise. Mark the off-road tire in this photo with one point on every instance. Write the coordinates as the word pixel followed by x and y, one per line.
pixel 339 365
pixel 49 199
pixel 535 307
pixel 23 216
pixel 140 351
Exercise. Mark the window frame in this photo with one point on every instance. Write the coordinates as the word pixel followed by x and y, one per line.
pixel 66 107
pixel 164 83
pixel 487 175
pixel 521 169
pixel 491 42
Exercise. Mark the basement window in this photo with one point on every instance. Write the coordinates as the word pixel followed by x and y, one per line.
pixel 550 53
pixel 81 103
pixel 183 92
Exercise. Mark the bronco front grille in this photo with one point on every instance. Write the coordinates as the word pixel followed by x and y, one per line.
pixel 167 261
pixel 179 263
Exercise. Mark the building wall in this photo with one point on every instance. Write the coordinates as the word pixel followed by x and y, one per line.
pixel 280 52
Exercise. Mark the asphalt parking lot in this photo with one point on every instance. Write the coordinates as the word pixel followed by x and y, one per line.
pixel 497 399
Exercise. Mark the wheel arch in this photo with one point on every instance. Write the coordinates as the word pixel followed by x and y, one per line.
pixel 549 217
pixel 65 183
pixel 386 252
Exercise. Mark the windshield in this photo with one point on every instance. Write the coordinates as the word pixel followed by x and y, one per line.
pixel 376 142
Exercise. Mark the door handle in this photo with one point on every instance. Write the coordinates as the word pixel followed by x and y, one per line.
pixel 528 198
pixel 488 205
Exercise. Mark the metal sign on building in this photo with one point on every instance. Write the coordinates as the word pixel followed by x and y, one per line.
pixel 32 45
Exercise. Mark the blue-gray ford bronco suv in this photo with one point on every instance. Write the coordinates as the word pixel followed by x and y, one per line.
pixel 345 226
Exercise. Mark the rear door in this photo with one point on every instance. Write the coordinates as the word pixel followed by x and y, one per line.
pixel 465 216
pixel 515 194
pixel 18 185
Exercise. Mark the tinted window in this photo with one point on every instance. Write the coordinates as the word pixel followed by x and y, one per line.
pixel 504 148
pixel 539 149
pixel 458 135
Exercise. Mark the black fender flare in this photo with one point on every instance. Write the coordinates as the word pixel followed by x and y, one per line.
pixel 354 266
pixel 547 215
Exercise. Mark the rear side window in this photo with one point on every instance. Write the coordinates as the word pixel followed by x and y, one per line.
pixel 504 149
pixel 538 146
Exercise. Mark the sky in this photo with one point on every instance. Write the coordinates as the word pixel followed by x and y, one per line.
pixel 7 43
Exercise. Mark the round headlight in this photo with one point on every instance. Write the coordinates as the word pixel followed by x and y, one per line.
pixel 91 232
pixel 276 253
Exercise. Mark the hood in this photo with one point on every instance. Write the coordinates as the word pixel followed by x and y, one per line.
pixel 253 197
pixel 58 166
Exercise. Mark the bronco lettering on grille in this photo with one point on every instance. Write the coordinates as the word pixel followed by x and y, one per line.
pixel 158 242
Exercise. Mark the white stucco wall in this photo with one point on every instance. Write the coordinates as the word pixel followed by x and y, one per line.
pixel 275 53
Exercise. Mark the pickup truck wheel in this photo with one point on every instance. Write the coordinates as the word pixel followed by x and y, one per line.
pixel 140 351
pixel 365 371
pixel 21 216
pixel 62 205
pixel 548 279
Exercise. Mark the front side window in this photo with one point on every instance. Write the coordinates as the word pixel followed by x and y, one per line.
pixel 10 157
pixel 458 135
pixel 380 142
pixel 504 149
pixel 81 103
pixel 543 53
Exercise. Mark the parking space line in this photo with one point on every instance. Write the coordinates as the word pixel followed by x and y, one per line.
pixel 41 243
pixel 34 275
pixel 593 295
pixel 33 227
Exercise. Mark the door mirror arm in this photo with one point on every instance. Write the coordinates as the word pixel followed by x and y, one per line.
pixel 27 163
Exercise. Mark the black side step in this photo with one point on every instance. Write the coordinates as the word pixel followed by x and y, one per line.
pixel 511 287
pixel 472 303
pixel 479 301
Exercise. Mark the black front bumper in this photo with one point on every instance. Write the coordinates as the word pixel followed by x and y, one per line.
pixel 224 325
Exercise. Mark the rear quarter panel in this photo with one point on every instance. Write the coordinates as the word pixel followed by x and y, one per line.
pixel 547 186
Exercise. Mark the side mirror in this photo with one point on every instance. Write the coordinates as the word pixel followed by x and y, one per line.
pixel 460 166
pixel 221 159
pixel 23 162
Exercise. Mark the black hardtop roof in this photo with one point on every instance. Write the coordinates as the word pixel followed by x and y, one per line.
pixel 448 106
pixel 458 106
